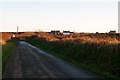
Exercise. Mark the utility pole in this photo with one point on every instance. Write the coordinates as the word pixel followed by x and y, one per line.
pixel 17 31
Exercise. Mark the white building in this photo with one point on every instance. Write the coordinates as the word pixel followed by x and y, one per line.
pixel 66 32
pixel 119 17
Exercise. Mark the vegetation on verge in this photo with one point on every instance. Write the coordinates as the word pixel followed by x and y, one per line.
pixel 6 52
pixel 102 59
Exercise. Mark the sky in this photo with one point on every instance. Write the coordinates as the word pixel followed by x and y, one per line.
pixel 119 18
pixel 47 15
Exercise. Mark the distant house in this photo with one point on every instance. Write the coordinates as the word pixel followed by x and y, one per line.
pixel 71 32
pixel 55 32
pixel 112 32
pixel 97 32
pixel 66 32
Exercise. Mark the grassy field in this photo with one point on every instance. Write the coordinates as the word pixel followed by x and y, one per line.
pixel 6 52
pixel 102 59
pixel 98 53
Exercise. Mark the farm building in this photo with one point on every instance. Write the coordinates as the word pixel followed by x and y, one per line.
pixel 55 32
pixel 66 32
pixel 112 32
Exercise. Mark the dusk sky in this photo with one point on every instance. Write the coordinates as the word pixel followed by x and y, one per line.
pixel 47 15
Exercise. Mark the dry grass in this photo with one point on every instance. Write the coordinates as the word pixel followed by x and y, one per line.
pixel 5 37
pixel 86 37
pixel 99 39
pixel 94 40
pixel 2 42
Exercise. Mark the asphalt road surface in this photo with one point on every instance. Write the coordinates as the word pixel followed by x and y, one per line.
pixel 28 61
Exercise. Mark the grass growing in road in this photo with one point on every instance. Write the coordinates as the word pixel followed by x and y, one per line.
pixel 100 59
pixel 6 52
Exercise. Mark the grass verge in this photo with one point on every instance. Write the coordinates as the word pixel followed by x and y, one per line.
pixel 7 51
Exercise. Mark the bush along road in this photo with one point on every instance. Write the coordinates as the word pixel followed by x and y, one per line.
pixel 97 58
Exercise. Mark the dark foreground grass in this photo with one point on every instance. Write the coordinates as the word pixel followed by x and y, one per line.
pixel 6 52
pixel 104 60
